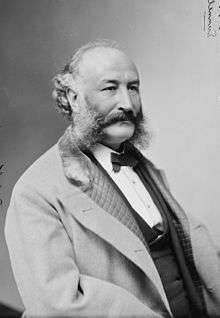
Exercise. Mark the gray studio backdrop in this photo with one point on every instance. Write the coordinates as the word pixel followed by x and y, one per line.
pixel 180 88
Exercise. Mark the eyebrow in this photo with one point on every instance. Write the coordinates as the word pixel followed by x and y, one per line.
pixel 136 82
pixel 111 81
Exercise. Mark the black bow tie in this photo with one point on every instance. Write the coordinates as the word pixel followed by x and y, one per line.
pixel 124 159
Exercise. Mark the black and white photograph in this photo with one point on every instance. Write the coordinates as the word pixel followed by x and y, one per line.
pixel 109 158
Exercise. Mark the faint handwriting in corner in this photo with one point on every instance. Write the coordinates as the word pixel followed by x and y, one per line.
pixel 208 19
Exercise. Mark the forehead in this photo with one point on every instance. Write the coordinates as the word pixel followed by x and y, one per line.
pixel 106 64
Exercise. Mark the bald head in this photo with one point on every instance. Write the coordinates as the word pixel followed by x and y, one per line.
pixel 106 64
pixel 100 59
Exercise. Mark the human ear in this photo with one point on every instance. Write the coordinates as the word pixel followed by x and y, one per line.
pixel 72 99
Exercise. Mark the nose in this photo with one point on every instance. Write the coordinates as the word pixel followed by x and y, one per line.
pixel 125 102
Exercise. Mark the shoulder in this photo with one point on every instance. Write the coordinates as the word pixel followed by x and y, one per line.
pixel 45 175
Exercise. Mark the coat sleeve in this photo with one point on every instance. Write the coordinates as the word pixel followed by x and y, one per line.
pixel 207 260
pixel 43 262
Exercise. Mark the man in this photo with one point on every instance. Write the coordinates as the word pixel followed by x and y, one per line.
pixel 92 228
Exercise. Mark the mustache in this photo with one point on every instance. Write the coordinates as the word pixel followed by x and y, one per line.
pixel 122 116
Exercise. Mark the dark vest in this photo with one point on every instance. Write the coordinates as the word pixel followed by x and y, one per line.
pixel 164 258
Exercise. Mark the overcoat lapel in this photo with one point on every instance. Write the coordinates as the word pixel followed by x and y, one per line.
pixel 109 197
pixel 109 228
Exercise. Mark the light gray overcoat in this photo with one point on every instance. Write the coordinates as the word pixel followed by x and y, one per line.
pixel 76 250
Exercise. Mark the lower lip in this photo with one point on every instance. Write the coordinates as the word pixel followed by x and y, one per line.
pixel 122 122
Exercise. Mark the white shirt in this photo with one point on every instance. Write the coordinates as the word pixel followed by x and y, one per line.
pixel 131 186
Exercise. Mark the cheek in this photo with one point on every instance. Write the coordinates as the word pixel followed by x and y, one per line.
pixel 101 104
pixel 136 101
pixel 106 107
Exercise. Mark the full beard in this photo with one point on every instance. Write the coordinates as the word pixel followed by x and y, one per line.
pixel 87 128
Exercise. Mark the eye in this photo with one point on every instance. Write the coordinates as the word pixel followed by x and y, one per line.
pixel 110 88
pixel 134 88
